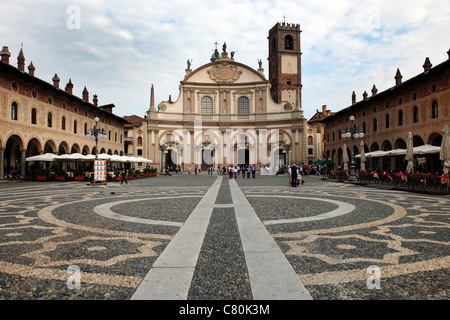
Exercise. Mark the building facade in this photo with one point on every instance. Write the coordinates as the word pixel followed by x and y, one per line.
pixel 419 105
pixel 228 113
pixel 37 117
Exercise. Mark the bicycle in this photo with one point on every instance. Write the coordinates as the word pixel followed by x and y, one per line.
pixel 14 176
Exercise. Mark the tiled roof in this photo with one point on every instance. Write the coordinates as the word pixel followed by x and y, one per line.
pixel 135 121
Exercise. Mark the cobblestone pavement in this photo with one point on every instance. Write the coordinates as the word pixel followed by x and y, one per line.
pixel 343 241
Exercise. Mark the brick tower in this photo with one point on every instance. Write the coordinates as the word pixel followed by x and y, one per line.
pixel 285 64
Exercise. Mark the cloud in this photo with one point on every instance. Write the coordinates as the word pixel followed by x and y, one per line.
pixel 121 48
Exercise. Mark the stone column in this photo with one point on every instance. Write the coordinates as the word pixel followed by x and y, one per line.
pixel 23 162
pixel 2 173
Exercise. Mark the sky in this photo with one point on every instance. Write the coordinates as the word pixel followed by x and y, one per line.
pixel 119 49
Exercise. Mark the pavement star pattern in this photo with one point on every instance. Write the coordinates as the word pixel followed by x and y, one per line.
pixel 46 228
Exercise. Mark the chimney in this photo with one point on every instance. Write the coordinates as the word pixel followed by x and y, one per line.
pixel 353 97
pixel 69 87
pixel 85 95
pixel 21 61
pixel 31 69
pixel 365 95
pixel 56 81
pixel 374 90
pixel 324 109
pixel 427 65
pixel 5 54
pixel 95 100
pixel 398 77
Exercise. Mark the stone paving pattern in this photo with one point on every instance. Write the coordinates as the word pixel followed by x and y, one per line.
pixel 47 227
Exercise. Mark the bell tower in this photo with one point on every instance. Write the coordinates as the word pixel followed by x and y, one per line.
pixel 285 64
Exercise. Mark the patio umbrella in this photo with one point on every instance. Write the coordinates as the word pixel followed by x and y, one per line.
pixel 345 157
pixel 363 157
pixel 46 157
pixel 409 154
pixel 444 154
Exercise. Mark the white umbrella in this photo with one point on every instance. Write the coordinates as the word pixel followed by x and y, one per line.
pixel 345 157
pixel 73 156
pixel 116 158
pixel 426 149
pixel 363 156
pixel 409 154
pixel 46 157
pixel 444 153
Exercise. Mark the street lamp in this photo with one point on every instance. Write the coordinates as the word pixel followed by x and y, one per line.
pixel 352 132
pixel 96 133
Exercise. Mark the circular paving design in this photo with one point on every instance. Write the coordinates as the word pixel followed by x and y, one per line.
pixel 45 230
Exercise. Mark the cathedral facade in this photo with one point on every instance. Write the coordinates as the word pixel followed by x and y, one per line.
pixel 228 113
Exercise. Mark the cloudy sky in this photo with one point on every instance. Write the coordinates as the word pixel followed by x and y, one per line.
pixel 118 49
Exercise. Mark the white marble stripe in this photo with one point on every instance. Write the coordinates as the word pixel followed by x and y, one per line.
pixel 271 275
pixel 170 276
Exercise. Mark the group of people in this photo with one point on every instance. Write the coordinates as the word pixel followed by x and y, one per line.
pixel 235 171
pixel 295 175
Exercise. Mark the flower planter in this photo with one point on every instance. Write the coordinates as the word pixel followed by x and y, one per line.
pixel 41 178
pixel 59 178
pixel 137 176
pixel 78 178
pixel 118 178
pixel 130 177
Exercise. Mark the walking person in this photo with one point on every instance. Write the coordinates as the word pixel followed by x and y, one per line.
pixel 253 171
pixel 124 175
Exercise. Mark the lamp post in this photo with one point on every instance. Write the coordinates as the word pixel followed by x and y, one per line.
pixel 352 132
pixel 96 133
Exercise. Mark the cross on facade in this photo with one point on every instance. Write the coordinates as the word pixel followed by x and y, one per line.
pixel 284 18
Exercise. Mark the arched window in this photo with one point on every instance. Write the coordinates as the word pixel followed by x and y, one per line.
pixel 63 123
pixel 49 120
pixel 75 127
pixel 310 140
pixel 416 115
pixel 139 141
pixel 33 116
pixel 243 105
pixel 207 105
pixel 274 45
pixel 434 110
pixel 14 110
pixel 400 118
pixel 387 121
pixel 85 129
pixel 289 42
pixel 364 127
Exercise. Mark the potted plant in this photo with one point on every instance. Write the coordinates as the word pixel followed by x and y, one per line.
pixel 130 174
pixel 153 171
pixel 60 175
pixel 137 173
pixel 78 175
pixel 117 174
pixel 41 174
